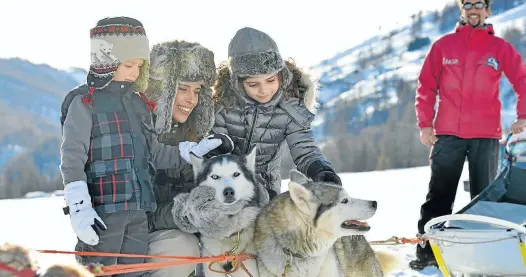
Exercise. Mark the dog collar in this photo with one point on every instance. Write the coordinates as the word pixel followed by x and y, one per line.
pixel 293 254
pixel 236 233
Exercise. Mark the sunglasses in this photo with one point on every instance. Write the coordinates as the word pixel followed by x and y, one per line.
pixel 478 6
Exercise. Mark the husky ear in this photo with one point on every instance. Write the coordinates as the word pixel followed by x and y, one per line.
pixel 197 164
pixel 300 195
pixel 251 159
pixel 298 177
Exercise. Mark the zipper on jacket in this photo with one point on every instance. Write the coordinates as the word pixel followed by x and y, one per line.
pixel 462 92
pixel 249 138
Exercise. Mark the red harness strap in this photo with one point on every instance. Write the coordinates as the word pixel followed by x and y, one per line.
pixel 26 272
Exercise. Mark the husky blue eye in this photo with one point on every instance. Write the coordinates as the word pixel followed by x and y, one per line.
pixel 345 201
pixel 215 177
pixel 236 174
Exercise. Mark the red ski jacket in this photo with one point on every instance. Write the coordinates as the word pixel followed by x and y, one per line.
pixel 464 69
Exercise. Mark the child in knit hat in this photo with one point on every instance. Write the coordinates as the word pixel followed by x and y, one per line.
pixel 263 101
pixel 110 148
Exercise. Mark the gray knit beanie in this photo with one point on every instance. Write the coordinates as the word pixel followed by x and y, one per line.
pixel 252 52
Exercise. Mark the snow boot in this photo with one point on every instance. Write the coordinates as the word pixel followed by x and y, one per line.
pixel 424 258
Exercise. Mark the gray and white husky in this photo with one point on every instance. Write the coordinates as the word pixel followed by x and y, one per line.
pixel 314 230
pixel 234 199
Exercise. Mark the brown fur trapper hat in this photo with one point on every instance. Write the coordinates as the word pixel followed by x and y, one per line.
pixel 171 63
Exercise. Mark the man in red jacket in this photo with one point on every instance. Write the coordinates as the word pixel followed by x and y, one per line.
pixel 464 69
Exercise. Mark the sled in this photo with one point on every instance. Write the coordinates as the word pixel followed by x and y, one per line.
pixel 487 237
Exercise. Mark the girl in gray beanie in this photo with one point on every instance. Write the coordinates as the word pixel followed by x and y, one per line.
pixel 262 101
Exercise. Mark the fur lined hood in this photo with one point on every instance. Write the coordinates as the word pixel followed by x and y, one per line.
pixel 170 63
pixel 253 52
pixel 301 86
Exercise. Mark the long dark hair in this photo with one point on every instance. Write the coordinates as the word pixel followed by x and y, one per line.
pixel 186 131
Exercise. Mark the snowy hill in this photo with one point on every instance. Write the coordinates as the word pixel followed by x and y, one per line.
pixel 399 194
pixel 361 87
pixel 365 75
pixel 30 99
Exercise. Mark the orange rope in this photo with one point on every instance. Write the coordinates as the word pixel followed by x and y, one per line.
pixel 123 268
pixel 396 241
pixel 237 263
pixel 129 268
pixel 237 260
pixel 120 255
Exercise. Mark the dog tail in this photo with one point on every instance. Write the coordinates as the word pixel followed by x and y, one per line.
pixel 388 261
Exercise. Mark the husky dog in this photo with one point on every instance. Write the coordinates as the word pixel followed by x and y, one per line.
pixel 315 229
pixel 223 208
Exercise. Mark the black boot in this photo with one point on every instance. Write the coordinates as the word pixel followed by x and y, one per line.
pixel 424 258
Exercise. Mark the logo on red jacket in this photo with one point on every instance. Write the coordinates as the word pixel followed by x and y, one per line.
pixel 449 61
pixel 493 63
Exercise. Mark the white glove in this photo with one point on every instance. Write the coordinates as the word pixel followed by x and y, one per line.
pixel 199 149
pixel 84 219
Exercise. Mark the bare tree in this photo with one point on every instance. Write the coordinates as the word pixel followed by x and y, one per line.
pixel 394 144
pixel 435 17
pixel 21 176
pixel 388 47
pixel 416 24
pixel 514 36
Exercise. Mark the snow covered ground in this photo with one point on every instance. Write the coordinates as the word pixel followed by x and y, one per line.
pixel 39 223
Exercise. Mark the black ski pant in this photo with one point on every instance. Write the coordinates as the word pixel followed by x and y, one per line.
pixel 447 159
pixel 127 233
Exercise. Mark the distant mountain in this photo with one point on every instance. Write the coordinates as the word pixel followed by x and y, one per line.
pixel 78 74
pixel 361 87
pixel 30 99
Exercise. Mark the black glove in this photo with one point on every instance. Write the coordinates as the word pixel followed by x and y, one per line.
pixel 226 147
pixel 321 171
pixel 271 193
pixel 328 177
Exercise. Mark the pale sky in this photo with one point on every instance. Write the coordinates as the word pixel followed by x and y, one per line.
pixel 57 32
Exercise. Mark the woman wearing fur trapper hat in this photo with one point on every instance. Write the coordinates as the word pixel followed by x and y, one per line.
pixel 263 101
pixel 181 76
